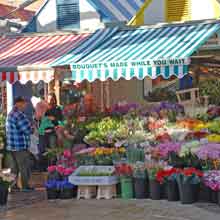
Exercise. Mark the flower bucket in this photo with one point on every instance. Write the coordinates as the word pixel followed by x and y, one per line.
pixel 214 197
pixel 164 193
pixel 52 193
pixel 188 193
pixel 126 188
pixel 219 198
pixel 155 190
pixel 172 191
pixel 66 193
pixel 3 195
pixel 204 193
pixel 140 188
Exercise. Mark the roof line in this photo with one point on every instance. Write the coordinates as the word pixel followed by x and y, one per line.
pixel 44 34
pixel 181 23
pixel 36 14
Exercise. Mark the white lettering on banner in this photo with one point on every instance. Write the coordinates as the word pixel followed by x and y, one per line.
pixel 143 63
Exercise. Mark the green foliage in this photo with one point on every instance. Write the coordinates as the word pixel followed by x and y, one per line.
pixel 211 88
pixel 134 155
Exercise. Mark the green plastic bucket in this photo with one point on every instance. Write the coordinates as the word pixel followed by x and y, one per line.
pixel 126 188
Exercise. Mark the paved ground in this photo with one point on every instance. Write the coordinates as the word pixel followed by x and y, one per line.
pixel 35 207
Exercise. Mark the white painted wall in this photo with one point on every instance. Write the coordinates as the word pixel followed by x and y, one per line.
pixel 89 18
pixel 155 12
pixel 202 9
pixel 46 21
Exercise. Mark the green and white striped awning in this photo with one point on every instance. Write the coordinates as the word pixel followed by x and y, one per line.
pixel 164 50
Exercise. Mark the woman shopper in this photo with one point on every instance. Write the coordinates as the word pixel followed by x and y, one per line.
pixel 49 123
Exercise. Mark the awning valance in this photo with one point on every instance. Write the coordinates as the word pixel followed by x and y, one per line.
pixel 162 50
pixel 28 57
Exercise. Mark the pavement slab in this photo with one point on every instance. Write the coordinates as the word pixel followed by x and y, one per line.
pixel 34 206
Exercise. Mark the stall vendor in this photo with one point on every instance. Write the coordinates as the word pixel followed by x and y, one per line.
pixel 49 123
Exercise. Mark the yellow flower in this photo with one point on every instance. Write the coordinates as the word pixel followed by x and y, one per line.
pixel 214 138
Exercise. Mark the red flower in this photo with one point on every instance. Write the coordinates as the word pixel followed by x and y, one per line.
pixel 192 171
pixel 162 174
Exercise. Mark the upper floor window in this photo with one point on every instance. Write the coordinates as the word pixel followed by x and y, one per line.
pixel 68 14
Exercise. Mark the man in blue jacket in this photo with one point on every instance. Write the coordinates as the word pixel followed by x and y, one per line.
pixel 18 131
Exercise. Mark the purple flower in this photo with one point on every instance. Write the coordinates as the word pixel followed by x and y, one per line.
pixel 169 147
pixel 211 179
pixel 209 151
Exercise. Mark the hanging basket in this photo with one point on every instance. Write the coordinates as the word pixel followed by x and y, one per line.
pixel 126 188
pixel 155 190
pixel 172 191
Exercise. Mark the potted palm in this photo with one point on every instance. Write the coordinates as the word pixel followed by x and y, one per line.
pixel 189 183
pixel 140 180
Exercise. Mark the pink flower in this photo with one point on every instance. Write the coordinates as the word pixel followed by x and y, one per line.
pixel 69 171
pixel 51 169
pixel 60 169
pixel 67 154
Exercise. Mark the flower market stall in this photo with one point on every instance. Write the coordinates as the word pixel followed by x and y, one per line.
pixel 155 152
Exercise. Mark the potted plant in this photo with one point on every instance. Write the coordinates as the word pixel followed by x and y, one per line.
pixel 188 180
pixel 140 180
pixel 211 180
pixel 154 183
pixel 6 179
pixel 125 172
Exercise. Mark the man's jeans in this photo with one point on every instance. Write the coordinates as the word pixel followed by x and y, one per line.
pixel 20 163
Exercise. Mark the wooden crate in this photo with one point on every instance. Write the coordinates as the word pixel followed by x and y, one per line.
pixel 38 179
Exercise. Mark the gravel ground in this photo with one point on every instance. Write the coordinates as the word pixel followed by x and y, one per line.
pixel 34 207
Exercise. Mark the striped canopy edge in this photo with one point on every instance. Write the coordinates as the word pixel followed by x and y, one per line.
pixel 167 66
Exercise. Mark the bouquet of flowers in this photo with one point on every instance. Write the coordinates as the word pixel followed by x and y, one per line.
pixel 6 178
pixel 209 151
pixel 211 179
pixel 165 149
pixel 124 170
pixel 139 170
pixel 189 175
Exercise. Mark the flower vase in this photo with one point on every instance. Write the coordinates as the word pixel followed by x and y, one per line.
pixel 204 193
pixel 52 193
pixel 188 192
pixel 3 195
pixel 172 191
pixel 164 192
pixel 126 187
pixel 140 188
pixel 219 198
pixel 66 193
pixel 214 197
pixel 155 190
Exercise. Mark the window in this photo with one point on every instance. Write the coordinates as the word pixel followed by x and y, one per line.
pixel 178 10
pixel 68 14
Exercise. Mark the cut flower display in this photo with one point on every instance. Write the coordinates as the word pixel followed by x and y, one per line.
pixel 211 179
pixel 209 151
